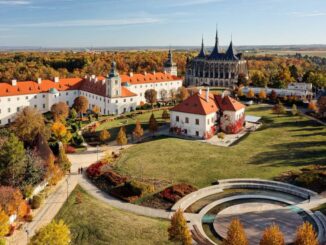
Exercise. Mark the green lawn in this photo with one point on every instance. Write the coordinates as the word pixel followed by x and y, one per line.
pixel 283 143
pixel 321 208
pixel 94 222
pixel 129 123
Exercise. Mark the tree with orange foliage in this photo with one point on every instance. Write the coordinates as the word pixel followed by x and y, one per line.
pixel 236 234
pixel 272 236
pixel 182 94
pixel 322 105
pixel 306 235
pixel 250 94
pixel 312 106
pixel 60 132
pixel 81 104
pixel 60 111
pixel 262 95
pixel 138 131
pixel 178 230
pixel 10 199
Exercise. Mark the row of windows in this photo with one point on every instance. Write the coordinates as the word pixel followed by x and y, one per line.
pixel 100 98
pixel 156 85
pixel 197 122
pixel 35 96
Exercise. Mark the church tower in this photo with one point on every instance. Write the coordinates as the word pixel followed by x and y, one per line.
pixel 113 84
pixel 169 66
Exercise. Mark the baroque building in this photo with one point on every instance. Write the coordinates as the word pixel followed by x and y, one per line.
pixel 114 94
pixel 218 68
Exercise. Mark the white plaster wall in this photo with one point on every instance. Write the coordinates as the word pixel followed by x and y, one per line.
pixel 205 122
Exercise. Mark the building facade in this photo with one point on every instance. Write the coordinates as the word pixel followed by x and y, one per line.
pixel 114 94
pixel 216 69
pixel 203 114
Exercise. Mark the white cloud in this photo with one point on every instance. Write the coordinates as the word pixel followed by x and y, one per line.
pixel 14 2
pixel 91 22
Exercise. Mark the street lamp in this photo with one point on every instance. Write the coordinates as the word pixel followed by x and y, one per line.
pixel 67 181
pixel 97 151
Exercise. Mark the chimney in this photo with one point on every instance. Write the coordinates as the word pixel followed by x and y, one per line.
pixel 93 77
pixel 131 74
pixel 95 80
pixel 145 73
pixel 14 82
pixel 154 72
pixel 39 80
pixel 207 95
pixel 56 79
pixel 199 92
pixel 223 94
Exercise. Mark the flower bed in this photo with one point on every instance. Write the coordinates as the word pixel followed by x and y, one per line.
pixel 94 170
pixel 176 192
pixel 113 178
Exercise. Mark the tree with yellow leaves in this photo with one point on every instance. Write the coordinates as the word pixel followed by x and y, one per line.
pixel 240 92
pixel 236 234
pixel 60 132
pixel 104 136
pixel 250 94
pixel 57 232
pixel 4 223
pixel 262 95
pixel 306 235
pixel 272 236
pixel 178 230
pixel 122 137
pixel 138 131
pixel 313 106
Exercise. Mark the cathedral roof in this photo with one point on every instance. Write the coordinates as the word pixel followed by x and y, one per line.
pixel 215 55
pixel 202 50
pixel 231 53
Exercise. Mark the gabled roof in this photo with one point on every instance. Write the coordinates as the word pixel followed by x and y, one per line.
pixel 148 78
pixel 227 103
pixel 197 104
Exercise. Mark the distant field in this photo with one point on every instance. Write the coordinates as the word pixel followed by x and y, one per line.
pixel 321 53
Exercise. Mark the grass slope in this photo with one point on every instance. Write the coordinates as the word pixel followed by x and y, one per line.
pixel 283 143
pixel 94 222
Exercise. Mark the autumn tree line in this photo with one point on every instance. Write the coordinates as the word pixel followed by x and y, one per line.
pixel 179 232
pixel 273 71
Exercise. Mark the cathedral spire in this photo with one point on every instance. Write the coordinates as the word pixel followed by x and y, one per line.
pixel 215 53
pixel 202 50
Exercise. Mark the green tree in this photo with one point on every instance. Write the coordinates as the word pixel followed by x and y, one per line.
pixel 73 114
pixel 306 235
pixel 259 79
pixel 35 170
pixel 151 96
pixel 28 124
pixel 294 72
pixel 178 230
pixel 138 131
pixel 63 160
pixel 273 95
pixel 152 124
pixel 55 233
pixel 236 234
pixel 272 236
pixel 122 137
pixel 12 161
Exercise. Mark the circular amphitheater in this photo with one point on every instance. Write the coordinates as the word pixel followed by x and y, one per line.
pixel 256 203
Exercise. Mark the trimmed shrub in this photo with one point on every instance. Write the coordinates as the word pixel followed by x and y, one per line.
pixel 70 149
pixel 37 201
pixel 77 140
pixel 28 218
pixel 113 178
pixel 94 170
pixel 176 192
pixel 141 187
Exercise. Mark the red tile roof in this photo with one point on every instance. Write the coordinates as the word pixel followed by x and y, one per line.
pixel 227 103
pixel 148 78
pixel 197 104
pixel 31 87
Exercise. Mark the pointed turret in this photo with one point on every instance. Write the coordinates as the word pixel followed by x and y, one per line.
pixel 215 53
pixel 202 50
pixel 169 66
pixel 113 71
pixel 231 53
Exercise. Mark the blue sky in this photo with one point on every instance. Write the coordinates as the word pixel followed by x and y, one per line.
pixel 87 23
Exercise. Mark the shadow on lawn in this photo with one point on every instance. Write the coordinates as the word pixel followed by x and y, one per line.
pixel 293 154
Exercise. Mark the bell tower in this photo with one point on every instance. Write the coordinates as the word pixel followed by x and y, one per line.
pixel 169 66
pixel 113 85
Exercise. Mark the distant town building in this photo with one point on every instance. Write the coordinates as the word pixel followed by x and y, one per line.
pixel 216 69
pixel 113 94
pixel 300 90
pixel 203 114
